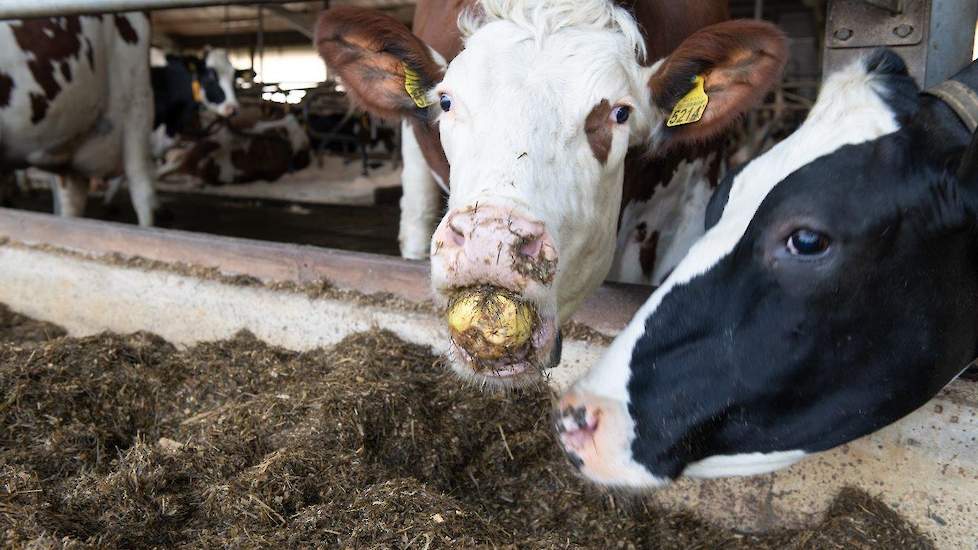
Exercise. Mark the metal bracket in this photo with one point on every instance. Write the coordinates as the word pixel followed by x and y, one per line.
pixel 893 6
pixel 872 23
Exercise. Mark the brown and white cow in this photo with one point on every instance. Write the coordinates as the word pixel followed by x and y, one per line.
pixel 241 151
pixel 75 99
pixel 535 117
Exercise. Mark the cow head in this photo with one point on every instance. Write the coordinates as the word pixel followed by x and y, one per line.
pixel 216 80
pixel 832 294
pixel 535 116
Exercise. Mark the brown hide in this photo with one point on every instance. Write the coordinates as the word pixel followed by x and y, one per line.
pixel 666 23
pixel 435 23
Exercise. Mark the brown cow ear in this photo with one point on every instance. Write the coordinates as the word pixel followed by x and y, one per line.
pixel 738 62
pixel 386 69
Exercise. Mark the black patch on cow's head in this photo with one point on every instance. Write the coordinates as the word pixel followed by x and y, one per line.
pixel 211 84
pixel 894 84
pixel 6 89
pixel 770 351
pixel 126 30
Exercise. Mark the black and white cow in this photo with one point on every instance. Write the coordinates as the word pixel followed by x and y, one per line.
pixel 75 99
pixel 834 292
pixel 184 83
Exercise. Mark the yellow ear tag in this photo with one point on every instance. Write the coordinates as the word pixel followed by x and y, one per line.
pixel 412 85
pixel 198 92
pixel 690 108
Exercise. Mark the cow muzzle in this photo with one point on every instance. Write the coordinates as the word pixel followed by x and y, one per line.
pixel 595 433
pixel 493 270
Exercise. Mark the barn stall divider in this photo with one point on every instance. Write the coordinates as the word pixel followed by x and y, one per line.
pixel 91 276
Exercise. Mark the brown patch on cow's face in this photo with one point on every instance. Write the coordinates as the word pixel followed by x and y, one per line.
pixel 39 107
pixel 126 31
pixel 52 41
pixel 597 126
pixel 646 254
pixel 6 89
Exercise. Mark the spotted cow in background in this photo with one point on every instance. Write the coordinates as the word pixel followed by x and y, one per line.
pixel 540 127
pixel 182 85
pixel 241 151
pixel 835 291
pixel 75 100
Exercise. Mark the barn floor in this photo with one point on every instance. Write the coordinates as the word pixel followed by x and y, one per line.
pixel 335 181
pixel 127 441
pixel 360 228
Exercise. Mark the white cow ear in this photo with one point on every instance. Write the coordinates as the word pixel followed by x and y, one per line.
pixel 386 69
pixel 736 63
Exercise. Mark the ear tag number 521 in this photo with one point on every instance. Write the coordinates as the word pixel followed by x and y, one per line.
pixel 691 106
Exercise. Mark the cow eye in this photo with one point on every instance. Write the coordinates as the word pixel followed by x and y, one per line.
pixel 445 101
pixel 620 114
pixel 805 242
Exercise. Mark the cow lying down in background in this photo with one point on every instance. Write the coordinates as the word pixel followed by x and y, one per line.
pixel 833 293
pixel 243 151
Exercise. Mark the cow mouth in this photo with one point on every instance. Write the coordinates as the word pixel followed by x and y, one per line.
pixel 496 336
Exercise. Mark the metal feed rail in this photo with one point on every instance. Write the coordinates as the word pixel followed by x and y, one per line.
pixel 21 9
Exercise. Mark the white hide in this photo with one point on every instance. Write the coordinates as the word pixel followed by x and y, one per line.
pixel 99 124
pixel 677 212
pixel 522 88
pixel 848 111
pixel 420 201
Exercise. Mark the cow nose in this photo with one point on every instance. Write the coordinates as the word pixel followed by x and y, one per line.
pixel 493 235
pixel 576 426
pixel 230 110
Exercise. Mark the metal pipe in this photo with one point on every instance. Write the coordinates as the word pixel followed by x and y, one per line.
pixel 21 9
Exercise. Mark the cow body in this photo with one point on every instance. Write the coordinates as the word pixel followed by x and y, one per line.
pixel 533 126
pixel 75 99
pixel 833 293
pixel 236 153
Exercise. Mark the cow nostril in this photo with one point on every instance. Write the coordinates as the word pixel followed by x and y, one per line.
pixel 457 236
pixel 532 247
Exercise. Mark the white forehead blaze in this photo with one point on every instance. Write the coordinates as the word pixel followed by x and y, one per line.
pixel 849 110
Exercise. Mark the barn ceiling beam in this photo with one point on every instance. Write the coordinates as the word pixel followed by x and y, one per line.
pixel 295 20
pixel 21 9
